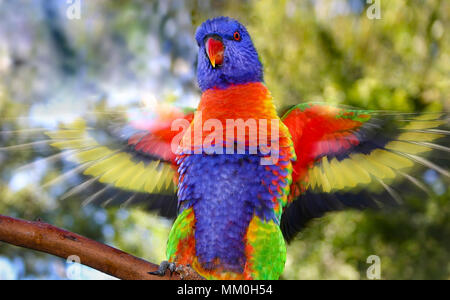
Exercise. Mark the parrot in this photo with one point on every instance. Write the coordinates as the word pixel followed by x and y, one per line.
pixel 237 202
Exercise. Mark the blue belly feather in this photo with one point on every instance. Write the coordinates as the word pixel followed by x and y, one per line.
pixel 225 192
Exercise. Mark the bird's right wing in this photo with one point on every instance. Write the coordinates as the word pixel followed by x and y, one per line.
pixel 120 160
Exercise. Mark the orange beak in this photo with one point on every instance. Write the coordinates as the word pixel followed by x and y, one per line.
pixel 215 50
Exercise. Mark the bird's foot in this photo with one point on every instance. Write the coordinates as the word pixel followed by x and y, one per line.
pixel 163 267
pixel 185 272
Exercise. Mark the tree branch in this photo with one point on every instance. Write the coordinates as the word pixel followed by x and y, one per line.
pixel 50 239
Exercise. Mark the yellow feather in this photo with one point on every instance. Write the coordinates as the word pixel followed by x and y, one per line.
pixel 112 166
pixel 93 154
pixel 419 136
pixel 102 166
pixel 323 180
pixel 423 125
pixel 128 173
pixel 166 178
pixel 407 147
pixel 115 171
pixel 138 181
pixel 359 172
pixel 152 176
pixel 312 179
pixel 74 144
pixel 161 179
pixel 428 117
pixel 338 178
pixel 379 170
pixel 65 134
pixel 345 170
pixel 318 177
pixel 390 159
pixel 328 173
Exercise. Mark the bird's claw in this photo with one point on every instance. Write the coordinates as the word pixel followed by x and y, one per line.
pixel 185 272
pixel 163 267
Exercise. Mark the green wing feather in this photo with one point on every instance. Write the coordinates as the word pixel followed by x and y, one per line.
pixel 360 159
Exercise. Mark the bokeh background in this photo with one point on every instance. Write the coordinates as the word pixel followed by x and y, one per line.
pixel 125 53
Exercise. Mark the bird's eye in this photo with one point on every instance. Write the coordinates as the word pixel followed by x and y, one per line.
pixel 237 36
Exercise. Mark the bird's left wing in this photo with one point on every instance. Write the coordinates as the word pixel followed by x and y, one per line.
pixel 349 158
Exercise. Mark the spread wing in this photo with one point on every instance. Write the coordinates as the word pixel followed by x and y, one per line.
pixel 350 158
pixel 120 159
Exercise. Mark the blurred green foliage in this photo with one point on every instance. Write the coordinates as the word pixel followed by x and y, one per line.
pixel 326 50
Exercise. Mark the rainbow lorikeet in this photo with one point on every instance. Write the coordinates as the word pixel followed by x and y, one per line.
pixel 236 211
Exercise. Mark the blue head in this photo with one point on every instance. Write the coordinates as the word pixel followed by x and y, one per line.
pixel 226 55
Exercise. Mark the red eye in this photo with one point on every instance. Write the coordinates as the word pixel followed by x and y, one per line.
pixel 237 36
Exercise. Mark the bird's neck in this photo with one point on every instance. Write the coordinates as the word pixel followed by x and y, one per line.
pixel 235 115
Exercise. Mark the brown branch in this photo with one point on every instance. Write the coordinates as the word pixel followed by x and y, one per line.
pixel 50 239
